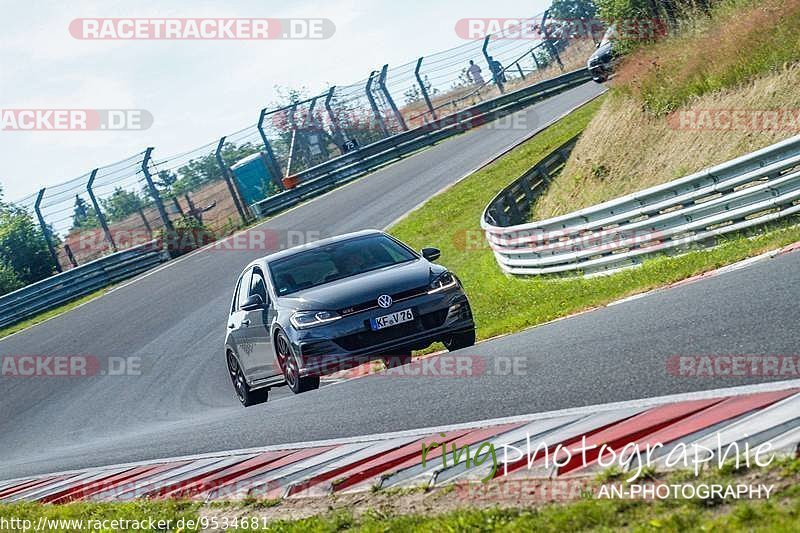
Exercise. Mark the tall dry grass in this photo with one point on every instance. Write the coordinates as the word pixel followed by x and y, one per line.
pixel 745 57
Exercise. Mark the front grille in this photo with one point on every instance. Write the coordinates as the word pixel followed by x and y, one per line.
pixel 368 337
pixel 373 303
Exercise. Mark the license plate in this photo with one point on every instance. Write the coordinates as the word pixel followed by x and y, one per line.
pixel 386 321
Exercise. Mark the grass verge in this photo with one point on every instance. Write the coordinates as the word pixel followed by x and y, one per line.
pixel 502 304
pixel 32 321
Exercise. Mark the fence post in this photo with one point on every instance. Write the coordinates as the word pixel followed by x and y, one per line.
pixel 423 88
pixel 495 77
pixel 373 105
pixel 548 44
pixel 535 59
pixel 226 175
pixel 46 231
pixel 154 192
pixel 338 137
pixel 272 162
pixel 382 85
pixel 519 68
pixel 100 217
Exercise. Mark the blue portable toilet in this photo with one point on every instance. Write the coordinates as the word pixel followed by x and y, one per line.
pixel 254 178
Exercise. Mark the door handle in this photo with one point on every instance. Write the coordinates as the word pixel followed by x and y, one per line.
pixel 246 322
pixel 231 326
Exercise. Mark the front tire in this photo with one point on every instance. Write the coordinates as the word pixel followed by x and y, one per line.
pixel 461 340
pixel 247 397
pixel 290 365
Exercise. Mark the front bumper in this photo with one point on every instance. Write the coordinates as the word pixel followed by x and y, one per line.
pixel 350 341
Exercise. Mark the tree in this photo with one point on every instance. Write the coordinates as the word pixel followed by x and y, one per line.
pixel 121 204
pixel 24 256
pixel 568 10
pixel 83 216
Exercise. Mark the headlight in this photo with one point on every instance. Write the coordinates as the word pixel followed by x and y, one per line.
pixel 309 319
pixel 442 283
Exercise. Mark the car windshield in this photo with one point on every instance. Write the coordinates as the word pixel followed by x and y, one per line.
pixel 336 261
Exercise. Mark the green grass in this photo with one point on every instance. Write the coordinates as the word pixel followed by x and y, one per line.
pixel 741 39
pixel 503 304
pixel 138 510
pixel 41 317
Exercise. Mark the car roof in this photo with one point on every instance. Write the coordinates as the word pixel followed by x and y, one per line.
pixel 312 245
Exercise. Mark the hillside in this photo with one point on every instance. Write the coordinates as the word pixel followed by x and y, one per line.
pixel 725 86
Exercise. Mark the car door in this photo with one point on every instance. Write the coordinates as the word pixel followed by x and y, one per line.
pixel 257 323
pixel 238 323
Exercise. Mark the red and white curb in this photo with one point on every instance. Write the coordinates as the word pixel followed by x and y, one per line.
pixel 751 415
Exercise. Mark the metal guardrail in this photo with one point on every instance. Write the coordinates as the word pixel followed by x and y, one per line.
pixel 80 281
pixel 319 179
pixel 759 187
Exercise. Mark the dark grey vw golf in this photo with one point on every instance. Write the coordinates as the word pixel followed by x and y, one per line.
pixel 303 312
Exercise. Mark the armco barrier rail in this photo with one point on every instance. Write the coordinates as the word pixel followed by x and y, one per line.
pixel 753 189
pixel 321 178
pixel 61 288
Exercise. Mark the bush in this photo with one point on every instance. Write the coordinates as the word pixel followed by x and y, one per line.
pixel 189 234
pixel 24 256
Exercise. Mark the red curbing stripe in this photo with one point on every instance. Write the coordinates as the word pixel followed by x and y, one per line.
pixel 397 455
pixel 727 409
pixel 236 484
pixel 120 480
pixel 29 485
pixel 410 452
pixel 478 436
pixel 206 482
pixel 153 487
pixel 631 430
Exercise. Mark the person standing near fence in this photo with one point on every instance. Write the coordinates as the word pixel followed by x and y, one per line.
pixel 474 73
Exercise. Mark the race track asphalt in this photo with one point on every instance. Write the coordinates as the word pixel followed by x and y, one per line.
pixel 173 320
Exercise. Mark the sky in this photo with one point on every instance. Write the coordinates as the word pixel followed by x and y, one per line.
pixel 196 91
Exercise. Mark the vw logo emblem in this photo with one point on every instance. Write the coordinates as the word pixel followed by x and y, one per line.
pixel 385 301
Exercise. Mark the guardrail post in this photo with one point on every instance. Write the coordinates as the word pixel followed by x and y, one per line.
pixel 382 85
pixel 423 88
pixel 373 105
pixel 272 162
pixel 226 175
pixel 153 191
pixel 338 137
pixel 519 68
pixel 495 77
pixel 46 230
pixel 100 217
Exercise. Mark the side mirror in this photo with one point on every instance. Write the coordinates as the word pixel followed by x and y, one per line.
pixel 598 44
pixel 431 254
pixel 253 303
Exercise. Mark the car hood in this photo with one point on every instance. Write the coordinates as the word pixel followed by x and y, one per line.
pixel 358 289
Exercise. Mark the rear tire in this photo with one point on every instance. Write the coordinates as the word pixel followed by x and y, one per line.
pixel 246 396
pixel 290 365
pixel 460 340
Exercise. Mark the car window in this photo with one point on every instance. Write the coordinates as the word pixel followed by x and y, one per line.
pixel 336 261
pixel 244 289
pixel 257 285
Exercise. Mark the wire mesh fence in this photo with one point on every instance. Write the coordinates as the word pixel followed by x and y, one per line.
pixel 132 201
